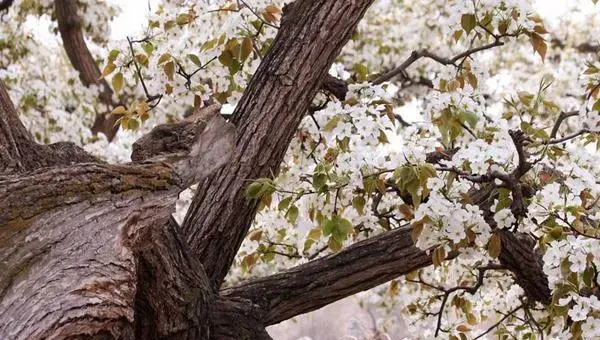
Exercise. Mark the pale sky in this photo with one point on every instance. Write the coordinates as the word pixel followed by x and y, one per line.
pixel 133 17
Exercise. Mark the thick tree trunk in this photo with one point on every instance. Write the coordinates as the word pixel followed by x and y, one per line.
pixel 75 239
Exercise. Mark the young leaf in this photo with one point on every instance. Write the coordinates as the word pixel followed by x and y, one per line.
pixel 468 22
pixel 494 246
pixel 118 82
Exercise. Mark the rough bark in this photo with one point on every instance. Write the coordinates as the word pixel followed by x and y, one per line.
pixel 172 300
pixel 335 86
pixel 71 238
pixel 69 26
pixel 518 255
pixel 310 286
pixel 311 35
pixel 237 319
pixel 14 139
pixel 18 151
pixel 367 264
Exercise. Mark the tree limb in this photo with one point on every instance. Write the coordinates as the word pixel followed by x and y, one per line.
pixel 20 153
pixel 416 55
pixel 14 138
pixel 5 5
pixel 310 286
pixel 69 26
pixel 374 261
pixel 365 265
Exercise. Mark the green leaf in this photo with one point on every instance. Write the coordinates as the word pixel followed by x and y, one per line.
pixel 314 234
pixel 226 58
pixel 284 203
pixel 259 188
pixel 118 82
pixel 164 58
pixel 468 22
pixel 339 228
pixel 525 97
pixel 382 138
pixel 469 117
pixel 503 26
pixel 539 44
pixel 148 48
pixel 438 256
pixel 292 214
pixel 183 19
pixel 319 180
pixel 253 190
pixel 194 58
pixel 332 123
pixel 596 106
pixel 358 203
pixel 108 69
pixel 169 69
pixel 345 226
pixel 328 227
pixel 457 35
pixel 210 44
pixel 113 54
pixel 334 244
pixel 119 110
pixel 142 59
pixel 362 71
pixel 133 124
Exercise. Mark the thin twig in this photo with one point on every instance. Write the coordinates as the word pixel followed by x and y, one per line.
pixel 499 322
pixel 149 97
pixel 416 55
pixel 561 117
pixel 566 138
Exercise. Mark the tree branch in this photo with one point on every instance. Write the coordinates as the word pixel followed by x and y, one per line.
pixel 310 286
pixel 371 262
pixel 367 264
pixel 168 275
pixel 416 55
pixel 335 86
pixel 5 5
pixel 14 138
pixel 69 26
pixel 561 118
pixel 20 153
pixel 491 328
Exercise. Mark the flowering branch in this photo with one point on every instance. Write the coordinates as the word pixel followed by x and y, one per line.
pixel 416 55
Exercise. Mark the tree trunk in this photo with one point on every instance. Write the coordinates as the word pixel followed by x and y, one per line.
pixel 311 36
pixel 83 245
